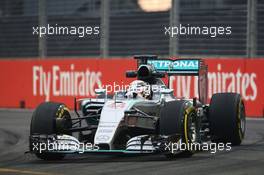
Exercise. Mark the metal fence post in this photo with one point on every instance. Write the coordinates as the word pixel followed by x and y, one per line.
pixel 174 21
pixel 251 28
pixel 104 28
pixel 42 21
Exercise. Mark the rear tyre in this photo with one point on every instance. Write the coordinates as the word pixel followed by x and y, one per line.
pixel 227 118
pixel 179 118
pixel 50 118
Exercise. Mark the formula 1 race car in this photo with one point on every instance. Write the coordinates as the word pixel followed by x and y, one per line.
pixel 145 118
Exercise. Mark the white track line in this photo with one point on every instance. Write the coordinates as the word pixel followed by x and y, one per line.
pixel 255 118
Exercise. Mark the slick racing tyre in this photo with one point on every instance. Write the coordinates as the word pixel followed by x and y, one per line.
pixel 179 117
pixel 50 118
pixel 227 118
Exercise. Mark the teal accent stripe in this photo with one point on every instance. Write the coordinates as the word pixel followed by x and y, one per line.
pixel 105 151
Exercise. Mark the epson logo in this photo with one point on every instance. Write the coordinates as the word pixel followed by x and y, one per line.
pixel 102 138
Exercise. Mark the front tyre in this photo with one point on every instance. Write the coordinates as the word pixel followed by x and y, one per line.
pixel 179 117
pixel 50 118
pixel 227 118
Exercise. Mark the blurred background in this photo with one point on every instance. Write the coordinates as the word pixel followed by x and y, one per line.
pixel 129 27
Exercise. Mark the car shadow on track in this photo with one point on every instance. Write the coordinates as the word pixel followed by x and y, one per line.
pixel 117 158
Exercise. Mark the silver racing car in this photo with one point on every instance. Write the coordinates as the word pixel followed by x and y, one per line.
pixel 144 118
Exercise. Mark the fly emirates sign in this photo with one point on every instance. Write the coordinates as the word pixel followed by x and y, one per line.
pixel 64 82
pixel 57 81
pixel 219 80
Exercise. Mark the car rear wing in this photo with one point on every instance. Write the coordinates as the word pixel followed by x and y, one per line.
pixel 191 66
pixel 181 67
pixel 176 67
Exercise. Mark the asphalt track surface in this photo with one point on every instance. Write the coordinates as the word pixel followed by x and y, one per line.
pixel 14 130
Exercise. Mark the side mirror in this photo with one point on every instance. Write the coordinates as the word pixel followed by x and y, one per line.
pixel 159 74
pixel 131 74
pixel 100 91
pixel 166 91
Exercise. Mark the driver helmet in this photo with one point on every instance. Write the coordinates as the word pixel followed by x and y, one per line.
pixel 138 89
